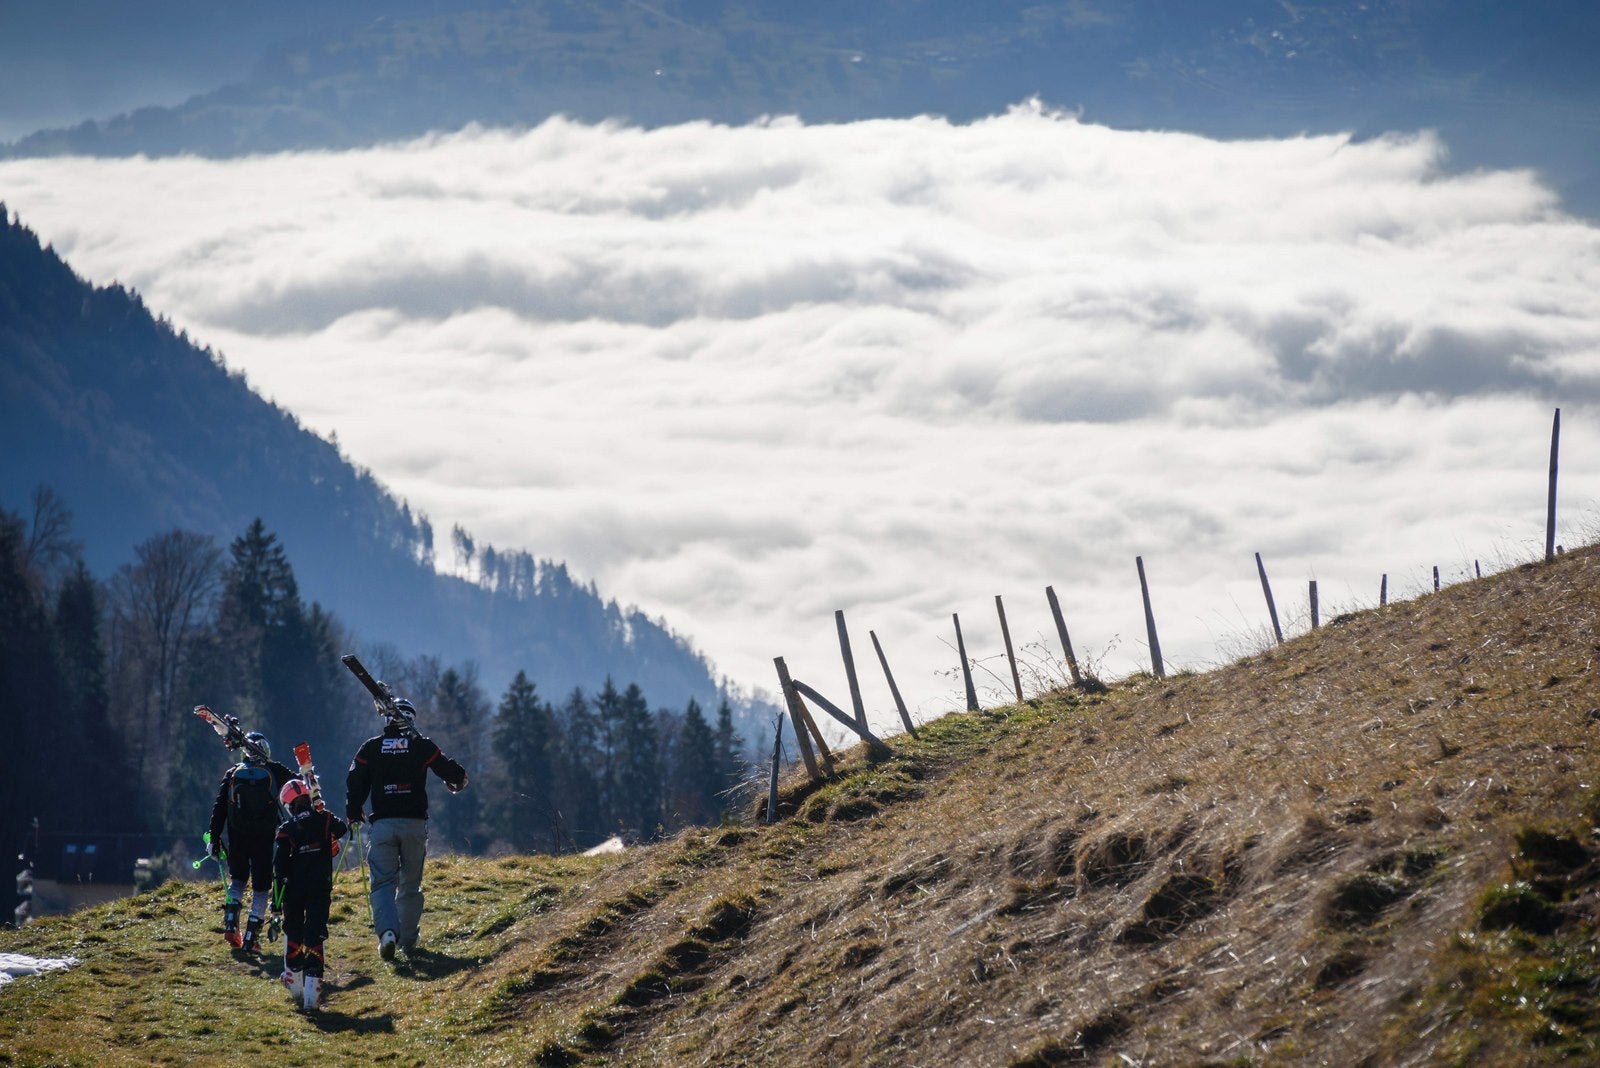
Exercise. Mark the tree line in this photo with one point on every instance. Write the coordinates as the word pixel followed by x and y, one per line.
pixel 99 679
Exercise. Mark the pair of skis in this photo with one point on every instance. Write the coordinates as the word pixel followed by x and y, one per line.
pixel 233 735
pixel 381 693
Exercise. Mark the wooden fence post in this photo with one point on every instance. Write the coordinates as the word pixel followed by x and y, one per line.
pixel 1550 511
pixel 801 720
pixel 1477 571
pixel 966 669
pixel 1383 590
pixel 772 788
pixel 899 703
pixel 1316 620
pixel 1272 608
pixel 1150 623
pixel 873 741
pixel 850 669
pixel 1435 578
pixel 1061 631
pixel 1005 632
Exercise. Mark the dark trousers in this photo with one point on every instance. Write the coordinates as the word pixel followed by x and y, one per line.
pixel 305 927
pixel 250 858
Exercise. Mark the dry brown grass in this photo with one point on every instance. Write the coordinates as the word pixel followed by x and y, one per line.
pixel 1285 860
pixel 1372 845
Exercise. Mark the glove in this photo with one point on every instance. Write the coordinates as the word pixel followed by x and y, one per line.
pixel 216 846
pixel 353 815
pixel 457 787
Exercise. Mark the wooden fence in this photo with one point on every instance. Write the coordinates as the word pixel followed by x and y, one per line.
pixel 814 749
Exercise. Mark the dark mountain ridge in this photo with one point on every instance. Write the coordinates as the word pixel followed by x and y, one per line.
pixel 140 431
pixel 1506 84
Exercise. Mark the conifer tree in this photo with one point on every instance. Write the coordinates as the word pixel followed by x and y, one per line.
pixel 278 660
pixel 732 764
pixel 523 811
pixel 578 768
pixel 31 693
pixel 693 783
pixel 459 714
pixel 636 767
pixel 111 803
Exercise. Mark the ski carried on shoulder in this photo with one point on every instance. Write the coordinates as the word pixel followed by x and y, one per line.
pixel 379 690
pixel 231 733
pixel 308 772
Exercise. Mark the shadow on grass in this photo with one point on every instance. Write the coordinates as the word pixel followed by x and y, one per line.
pixel 336 1022
pixel 426 964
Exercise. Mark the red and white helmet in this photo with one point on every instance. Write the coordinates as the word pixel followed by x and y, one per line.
pixel 292 791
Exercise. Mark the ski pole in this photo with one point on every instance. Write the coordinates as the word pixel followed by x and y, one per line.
pixel 221 858
pixel 275 924
pixel 366 880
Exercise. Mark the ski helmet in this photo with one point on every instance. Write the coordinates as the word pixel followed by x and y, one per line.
pixel 259 740
pixel 402 713
pixel 293 791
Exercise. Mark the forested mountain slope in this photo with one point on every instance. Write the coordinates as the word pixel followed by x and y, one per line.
pixel 140 431
pixel 1372 845
pixel 1506 84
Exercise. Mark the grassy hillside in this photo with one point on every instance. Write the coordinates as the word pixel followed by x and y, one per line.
pixel 1372 845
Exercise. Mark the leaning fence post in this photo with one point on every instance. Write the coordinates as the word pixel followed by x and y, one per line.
pixel 1315 618
pixel 1061 631
pixel 772 787
pixel 1550 511
pixel 899 703
pixel 966 669
pixel 1150 623
pixel 1005 633
pixel 1272 609
pixel 874 743
pixel 1383 590
pixel 798 716
pixel 850 669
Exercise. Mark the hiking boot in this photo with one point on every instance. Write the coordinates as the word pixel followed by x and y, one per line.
pixel 313 993
pixel 386 945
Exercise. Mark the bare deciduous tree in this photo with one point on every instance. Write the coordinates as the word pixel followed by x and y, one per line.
pixel 159 602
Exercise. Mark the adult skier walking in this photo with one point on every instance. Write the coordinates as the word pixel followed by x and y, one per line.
pixel 391 770
pixel 302 868
pixel 247 805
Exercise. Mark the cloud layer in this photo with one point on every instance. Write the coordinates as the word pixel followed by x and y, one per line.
pixel 744 377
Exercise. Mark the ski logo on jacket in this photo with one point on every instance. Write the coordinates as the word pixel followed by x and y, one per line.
pixel 394 746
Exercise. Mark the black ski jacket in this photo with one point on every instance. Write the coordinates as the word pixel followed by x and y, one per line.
pixel 277 775
pixel 392 770
pixel 302 856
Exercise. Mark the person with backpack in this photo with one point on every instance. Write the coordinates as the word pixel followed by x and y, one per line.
pixel 247 805
pixel 392 770
pixel 302 869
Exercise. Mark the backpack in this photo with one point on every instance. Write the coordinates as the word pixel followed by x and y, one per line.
pixel 251 804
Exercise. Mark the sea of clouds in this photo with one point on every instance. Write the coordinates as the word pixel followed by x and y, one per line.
pixel 743 377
